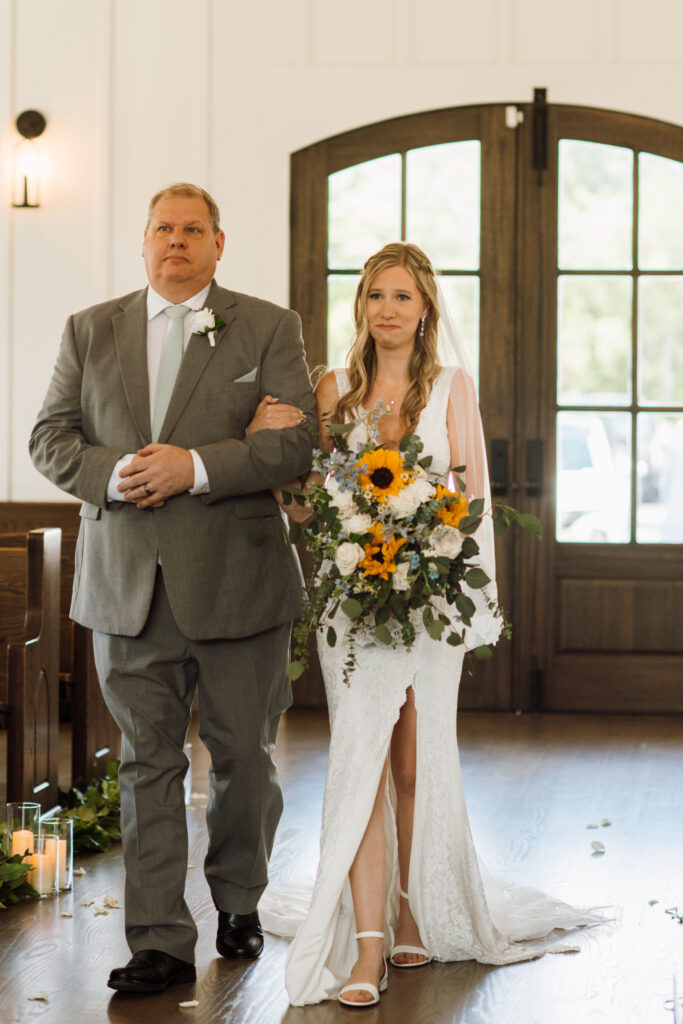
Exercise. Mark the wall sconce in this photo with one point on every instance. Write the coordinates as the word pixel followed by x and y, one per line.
pixel 26 164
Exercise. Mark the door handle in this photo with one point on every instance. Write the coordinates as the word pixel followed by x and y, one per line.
pixel 500 469
pixel 533 481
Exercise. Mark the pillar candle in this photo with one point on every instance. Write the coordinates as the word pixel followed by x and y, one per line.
pixel 42 877
pixel 22 840
pixel 57 850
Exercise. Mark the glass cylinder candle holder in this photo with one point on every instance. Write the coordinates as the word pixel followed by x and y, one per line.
pixel 44 866
pixel 59 833
pixel 23 828
pixel 187 750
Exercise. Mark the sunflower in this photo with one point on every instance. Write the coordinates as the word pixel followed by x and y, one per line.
pixel 380 553
pixel 454 510
pixel 381 473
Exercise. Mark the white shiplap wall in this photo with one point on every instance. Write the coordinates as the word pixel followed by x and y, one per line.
pixel 138 93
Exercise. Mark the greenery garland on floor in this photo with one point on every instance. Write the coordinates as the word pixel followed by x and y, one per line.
pixel 96 813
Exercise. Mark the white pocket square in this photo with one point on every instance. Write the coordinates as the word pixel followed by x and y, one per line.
pixel 246 378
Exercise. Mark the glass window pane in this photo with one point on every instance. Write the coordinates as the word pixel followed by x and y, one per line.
pixel 593 477
pixel 462 295
pixel 364 211
pixel 442 203
pixel 341 290
pixel 659 514
pixel 660 213
pixel 660 340
pixel 595 206
pixel 594 340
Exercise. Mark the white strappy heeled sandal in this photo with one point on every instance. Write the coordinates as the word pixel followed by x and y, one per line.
pixel 417 950
pixel 366 986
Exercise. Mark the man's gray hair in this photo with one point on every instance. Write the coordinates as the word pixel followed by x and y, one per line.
pixel 184 188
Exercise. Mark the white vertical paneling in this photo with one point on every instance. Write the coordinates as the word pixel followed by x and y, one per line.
pixel 546 33
pixel 7 139
pixel 159 129
pixel 453 31
pixel 358 33
pixel 650 33
pixel 57 250
pixel 250 169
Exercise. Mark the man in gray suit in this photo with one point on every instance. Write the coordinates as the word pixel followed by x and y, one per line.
pixel 182 568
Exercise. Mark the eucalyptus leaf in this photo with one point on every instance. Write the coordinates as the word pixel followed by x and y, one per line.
pixel 483 653
pixel 530 523
pixel 352 608
pixel 476 507
pixel 382 615
pixel 294 670
pixel 476 578
pixel 383 635
pixel 468 524
pixel 331 637
pixel 435 629
pixel 294 532
pixel 340 428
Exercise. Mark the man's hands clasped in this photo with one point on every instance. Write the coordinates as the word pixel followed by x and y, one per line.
pixel 156 473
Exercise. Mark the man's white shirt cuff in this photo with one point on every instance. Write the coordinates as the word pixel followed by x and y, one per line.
pixel 113 493
pixel 201 477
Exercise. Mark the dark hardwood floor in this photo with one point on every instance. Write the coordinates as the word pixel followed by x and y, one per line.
pixel 533 783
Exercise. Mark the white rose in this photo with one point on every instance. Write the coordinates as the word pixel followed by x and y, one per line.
pixel 202 320
pixel 409 499
pixel 360 522
pixel 347 557
pixel 399 579
pixel 445 541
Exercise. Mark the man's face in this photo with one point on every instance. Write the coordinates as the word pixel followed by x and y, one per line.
pixel 180 247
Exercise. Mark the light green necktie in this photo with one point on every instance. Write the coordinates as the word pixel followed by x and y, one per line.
pixel 171 358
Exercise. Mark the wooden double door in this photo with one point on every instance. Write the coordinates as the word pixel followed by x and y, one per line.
pixel 558 232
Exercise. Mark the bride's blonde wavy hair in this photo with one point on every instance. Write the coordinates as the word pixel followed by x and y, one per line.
pixel 361 361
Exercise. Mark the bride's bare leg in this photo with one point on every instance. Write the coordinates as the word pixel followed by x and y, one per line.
pixel 367 887
pixel 404 769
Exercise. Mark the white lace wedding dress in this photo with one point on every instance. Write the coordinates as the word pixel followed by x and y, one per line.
pixel 462 910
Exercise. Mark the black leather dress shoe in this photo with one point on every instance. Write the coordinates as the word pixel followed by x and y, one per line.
pixel 239 936
pixel 150 970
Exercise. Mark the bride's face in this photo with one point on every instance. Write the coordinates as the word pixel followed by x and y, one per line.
pixel 394 308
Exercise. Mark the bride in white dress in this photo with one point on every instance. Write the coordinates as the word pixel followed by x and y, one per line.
pixel 398 875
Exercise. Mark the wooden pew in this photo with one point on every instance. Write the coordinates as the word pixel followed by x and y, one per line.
pixel 95 738
pixel 29 662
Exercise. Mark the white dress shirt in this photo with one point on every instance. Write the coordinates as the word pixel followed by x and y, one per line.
pixel 157 325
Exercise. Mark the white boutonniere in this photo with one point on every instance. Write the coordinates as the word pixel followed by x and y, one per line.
pixel 204 322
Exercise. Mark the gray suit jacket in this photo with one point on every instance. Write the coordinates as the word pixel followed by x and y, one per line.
pixel 228 570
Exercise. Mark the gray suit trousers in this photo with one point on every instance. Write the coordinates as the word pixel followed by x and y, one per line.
pixel 149 682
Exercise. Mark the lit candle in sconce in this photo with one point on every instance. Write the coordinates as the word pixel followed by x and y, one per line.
pixel 22 840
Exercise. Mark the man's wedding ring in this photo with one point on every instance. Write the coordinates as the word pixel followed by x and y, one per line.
pixel 146 489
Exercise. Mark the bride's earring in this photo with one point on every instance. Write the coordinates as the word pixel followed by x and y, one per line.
pixel 422 325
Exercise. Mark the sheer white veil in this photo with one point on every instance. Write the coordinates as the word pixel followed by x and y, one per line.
pixel 450 347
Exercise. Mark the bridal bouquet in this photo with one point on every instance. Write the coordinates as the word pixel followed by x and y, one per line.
pixel 392 548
